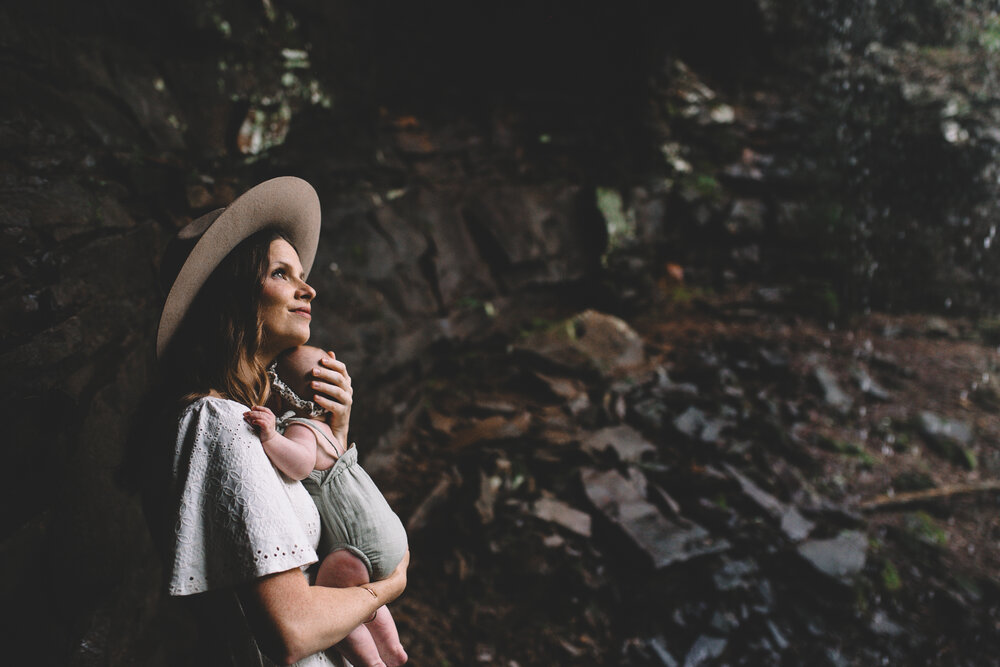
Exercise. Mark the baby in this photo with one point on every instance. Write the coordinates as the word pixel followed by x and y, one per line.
pixel 362 538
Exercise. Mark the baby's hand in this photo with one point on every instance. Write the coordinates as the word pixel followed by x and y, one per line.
pixel 263 421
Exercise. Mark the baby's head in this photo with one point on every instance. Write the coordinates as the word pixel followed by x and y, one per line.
pixel 294 369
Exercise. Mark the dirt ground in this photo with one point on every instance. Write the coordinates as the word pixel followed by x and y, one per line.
pixel 492 584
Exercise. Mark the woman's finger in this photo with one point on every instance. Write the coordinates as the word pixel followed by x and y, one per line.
pixel 333 364
pixel 331 376
pixel 333 389
pixel 332 393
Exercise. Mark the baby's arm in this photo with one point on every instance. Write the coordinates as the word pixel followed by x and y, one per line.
pixel 294 455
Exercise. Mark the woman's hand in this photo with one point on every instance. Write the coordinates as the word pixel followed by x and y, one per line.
pixel 333 390
pixel 398 576
pixel 392 587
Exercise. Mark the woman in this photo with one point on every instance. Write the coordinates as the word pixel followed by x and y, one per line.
pixel 238 534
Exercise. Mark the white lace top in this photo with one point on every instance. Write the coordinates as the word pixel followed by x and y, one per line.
pixel 237 517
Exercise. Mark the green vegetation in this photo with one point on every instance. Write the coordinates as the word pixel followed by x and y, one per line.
pixel 847 449
pixel 989 35
pixel 683 295
pixel 721 501
pixel 923 526
pixel 967 458
pixel 707 185
pixel 890 577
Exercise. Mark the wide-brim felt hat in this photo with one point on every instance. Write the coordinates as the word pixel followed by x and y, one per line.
pixel 286 204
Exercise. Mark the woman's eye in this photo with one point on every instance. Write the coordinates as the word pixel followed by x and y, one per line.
pixel 278 273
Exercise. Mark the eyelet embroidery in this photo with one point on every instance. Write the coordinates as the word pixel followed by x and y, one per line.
pixel 259 522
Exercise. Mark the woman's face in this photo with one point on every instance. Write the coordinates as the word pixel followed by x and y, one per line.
pixel 284 301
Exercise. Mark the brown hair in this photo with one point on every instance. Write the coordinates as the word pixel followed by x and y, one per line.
pixel 216 346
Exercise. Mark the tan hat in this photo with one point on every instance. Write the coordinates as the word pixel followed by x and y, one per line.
pixel 287 204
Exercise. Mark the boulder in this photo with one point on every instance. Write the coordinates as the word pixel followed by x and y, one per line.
pixel 840 558
pixel 589 343
pixel 662 541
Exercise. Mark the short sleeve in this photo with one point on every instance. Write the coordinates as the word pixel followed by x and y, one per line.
pixel 237 518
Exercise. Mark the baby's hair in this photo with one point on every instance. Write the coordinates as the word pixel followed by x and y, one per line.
pixel 295 366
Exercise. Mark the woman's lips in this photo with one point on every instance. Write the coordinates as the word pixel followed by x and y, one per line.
pixel 304 312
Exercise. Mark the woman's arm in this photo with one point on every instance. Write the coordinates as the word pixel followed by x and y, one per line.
pixel 293 453
pixel 291 619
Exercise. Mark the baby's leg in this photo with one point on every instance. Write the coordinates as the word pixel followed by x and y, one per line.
pixel 383 631
pixel 380 646
pixel 341 569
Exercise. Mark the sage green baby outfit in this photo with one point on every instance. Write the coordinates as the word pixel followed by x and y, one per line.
pixel 354 514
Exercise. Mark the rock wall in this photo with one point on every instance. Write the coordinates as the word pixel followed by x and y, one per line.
pixel 130 120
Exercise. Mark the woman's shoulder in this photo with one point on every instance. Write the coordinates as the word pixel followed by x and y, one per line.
pixel 215 427
pixel 213 407
pixel 210 403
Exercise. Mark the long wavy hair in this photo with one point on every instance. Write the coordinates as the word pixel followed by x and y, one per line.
pixel 215 349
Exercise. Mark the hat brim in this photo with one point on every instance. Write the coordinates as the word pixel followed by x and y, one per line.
pixel 287 204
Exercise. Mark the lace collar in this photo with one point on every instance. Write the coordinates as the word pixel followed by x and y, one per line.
pixel 302 406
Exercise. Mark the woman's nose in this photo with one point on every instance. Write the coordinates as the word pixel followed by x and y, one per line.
pixel 306 291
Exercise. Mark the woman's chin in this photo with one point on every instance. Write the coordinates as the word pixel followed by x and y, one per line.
pixel 287 342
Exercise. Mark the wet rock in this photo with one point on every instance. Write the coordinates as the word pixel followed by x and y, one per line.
pixel 662 541
pixel 742 173
pixel 649 652
pixel 795 526
pixel 628 443
pixel 591 342
pixel 666 500
pixel 704 650
pixel 535 234
pixel 651 413
pixel 946 437
pixel 553 541
pixel 152 105
pixel 840 557
pixel 459 270
pixel 561 513
pixel 881 624
pixel 664 385
pixel 694 424
pixel 724 622
pixel 779 638
pixel 868 386
pixel 746 217
pixel 765 593
pixel 775 360
pixel 734 575
pixel 749 254
pixel 836 658
pixel 833 395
